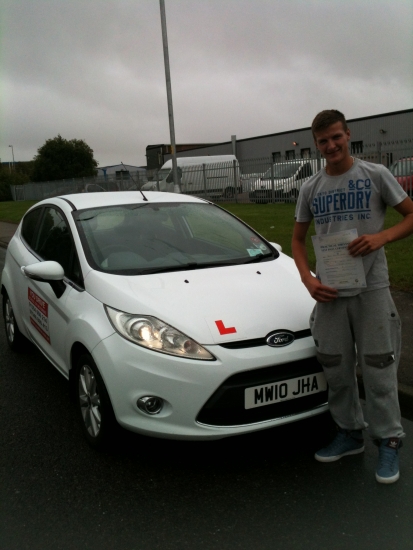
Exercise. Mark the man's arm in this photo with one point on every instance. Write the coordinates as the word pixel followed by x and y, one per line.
pixel 368 243
pixel 318 291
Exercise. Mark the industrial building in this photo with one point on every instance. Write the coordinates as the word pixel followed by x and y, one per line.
pixel 380 138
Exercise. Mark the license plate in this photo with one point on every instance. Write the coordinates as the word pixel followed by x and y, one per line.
pixel 259 396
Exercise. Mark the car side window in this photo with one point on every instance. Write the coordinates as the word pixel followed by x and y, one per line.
pixel 305 172
pixel 55 243
pixel 29 226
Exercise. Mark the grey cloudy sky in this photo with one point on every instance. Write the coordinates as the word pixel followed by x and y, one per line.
pixel 94 69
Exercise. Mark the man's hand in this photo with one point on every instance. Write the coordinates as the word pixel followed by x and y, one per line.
pixel 366 243
pixel 369 243
pixel 320 292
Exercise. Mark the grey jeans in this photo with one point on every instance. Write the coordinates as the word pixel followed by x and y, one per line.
pixel 364 330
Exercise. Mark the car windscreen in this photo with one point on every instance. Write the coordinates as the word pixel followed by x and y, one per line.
pixel 163 173
pixel 159 237
pixel 282 170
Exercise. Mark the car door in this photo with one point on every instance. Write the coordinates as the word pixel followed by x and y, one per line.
pixel 45 314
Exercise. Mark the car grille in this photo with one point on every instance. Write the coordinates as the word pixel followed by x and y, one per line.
pixel 226 406
pixel 254 342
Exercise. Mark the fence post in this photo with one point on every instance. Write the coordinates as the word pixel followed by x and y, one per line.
pixel 379 152
pixel 204 178
pixel 318 156
pixel 157 181
pixel 272 183
pixel 234 164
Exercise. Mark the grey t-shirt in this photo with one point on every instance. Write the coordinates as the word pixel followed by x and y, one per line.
pixel 354 200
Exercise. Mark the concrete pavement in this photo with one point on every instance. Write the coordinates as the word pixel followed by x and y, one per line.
pixel 404 304
pixel 6 233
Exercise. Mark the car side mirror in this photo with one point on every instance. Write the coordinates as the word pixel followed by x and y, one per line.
pixel 277 247
pixel 47 272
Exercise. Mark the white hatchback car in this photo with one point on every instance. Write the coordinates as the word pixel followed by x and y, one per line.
pixel 168 315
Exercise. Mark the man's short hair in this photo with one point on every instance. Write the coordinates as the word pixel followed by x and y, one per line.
pixel 326 118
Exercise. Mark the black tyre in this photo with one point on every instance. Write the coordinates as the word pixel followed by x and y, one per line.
pixel 229 193
pixel 15 339
pixel 293 195
pixel 94 406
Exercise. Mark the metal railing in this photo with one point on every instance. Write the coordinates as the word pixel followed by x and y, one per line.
pixel 258 180
pixel 47 189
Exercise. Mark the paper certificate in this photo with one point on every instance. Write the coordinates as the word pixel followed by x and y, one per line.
pixel 335 266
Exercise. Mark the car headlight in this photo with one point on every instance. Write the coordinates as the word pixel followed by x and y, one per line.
pixel 154 334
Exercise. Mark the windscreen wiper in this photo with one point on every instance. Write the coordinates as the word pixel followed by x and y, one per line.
pixel 184 267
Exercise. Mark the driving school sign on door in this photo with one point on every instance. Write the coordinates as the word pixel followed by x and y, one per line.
pixel 39 314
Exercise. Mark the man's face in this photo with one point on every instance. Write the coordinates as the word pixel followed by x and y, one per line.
pixel 333 143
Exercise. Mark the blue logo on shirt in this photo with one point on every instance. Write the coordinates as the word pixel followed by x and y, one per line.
pixel 340 205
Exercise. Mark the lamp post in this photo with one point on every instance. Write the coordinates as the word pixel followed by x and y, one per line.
pixel 12 153
pixel 177 187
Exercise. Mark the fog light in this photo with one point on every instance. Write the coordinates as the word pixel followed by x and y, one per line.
pixel 150 404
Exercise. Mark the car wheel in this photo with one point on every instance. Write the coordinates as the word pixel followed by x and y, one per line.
pixel 15 338
pixel 294 195
pixel 95 409
pixel 229 193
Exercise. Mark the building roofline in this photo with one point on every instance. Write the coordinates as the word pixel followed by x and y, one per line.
pixel 307 128
pixel 195 145
pixel 113 166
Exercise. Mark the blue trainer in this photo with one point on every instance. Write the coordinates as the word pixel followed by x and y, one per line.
pixel 345 443
pixel 388 466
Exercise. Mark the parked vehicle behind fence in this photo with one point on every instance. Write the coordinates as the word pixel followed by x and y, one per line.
pixel 212 177
pixel 288 178
pixel 402 170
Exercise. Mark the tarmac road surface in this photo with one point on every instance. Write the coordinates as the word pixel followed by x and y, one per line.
pixel 261 491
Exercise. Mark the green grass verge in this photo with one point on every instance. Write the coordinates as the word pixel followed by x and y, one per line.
pixel 13 212
pixel 275 222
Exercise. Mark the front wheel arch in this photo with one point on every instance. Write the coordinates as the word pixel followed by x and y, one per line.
pixel 229 192
pixel 76 352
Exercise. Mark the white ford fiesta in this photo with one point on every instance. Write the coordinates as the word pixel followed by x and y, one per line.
pixel 168 315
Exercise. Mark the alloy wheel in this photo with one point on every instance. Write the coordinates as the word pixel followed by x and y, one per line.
pixel 9 321
pixel 89 401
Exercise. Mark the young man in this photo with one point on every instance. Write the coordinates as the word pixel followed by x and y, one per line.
pixel 355 325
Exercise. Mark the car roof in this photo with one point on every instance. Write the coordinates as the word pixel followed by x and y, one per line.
pixel 113 198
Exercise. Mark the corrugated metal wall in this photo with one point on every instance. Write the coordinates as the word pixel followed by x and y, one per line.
pixel 389 132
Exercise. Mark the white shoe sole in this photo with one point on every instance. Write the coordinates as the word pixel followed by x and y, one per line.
pixel 337 457
pixel 391 479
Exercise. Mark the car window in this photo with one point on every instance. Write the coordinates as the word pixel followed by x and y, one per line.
pixel 305 172
pixel 166 236
pixel 29 225
pixel 203 225
pixel 282 170
pixel 54 242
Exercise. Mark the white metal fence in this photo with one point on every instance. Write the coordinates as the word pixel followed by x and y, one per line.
pixel 47 189
pixel 259 180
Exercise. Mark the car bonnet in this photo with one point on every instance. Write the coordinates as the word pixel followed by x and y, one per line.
pixel 214 305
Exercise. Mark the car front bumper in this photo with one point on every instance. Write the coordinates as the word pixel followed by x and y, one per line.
pixel 204 399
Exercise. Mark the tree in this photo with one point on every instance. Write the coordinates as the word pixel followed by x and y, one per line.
pixel 60 158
